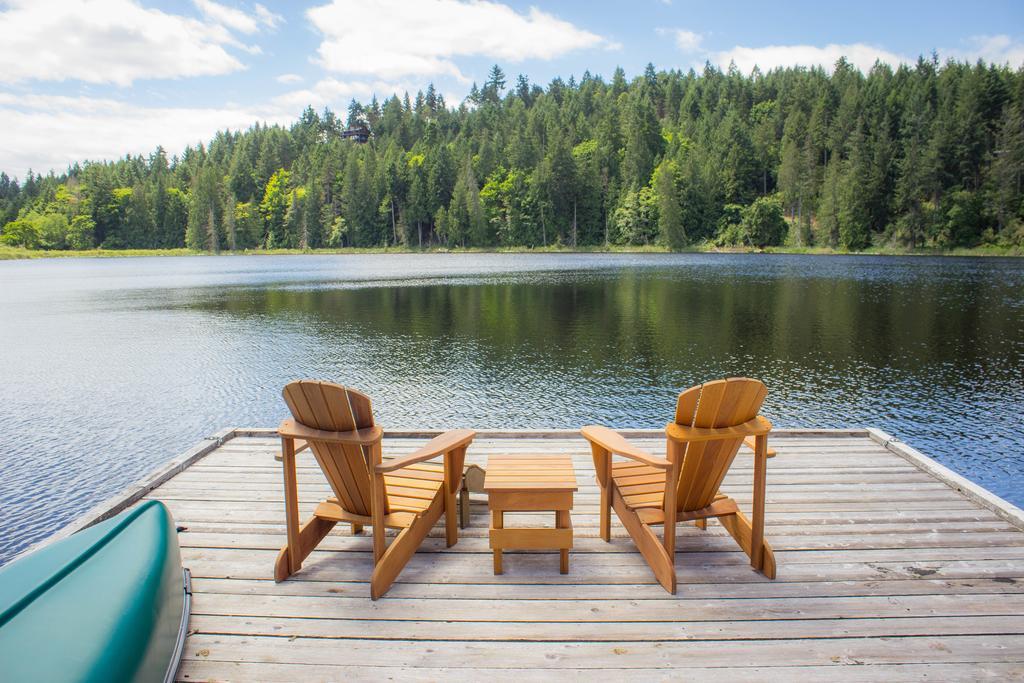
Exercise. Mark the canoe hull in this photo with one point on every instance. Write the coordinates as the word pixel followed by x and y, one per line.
pixel 109 603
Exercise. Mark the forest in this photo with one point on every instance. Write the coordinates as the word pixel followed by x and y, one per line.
pixel 929 155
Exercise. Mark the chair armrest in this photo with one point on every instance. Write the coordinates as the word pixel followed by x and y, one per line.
pixel 756 427
pixel 749 443
pixel 612 441
pixel 360 437
pixel 299 446
pixel 439 445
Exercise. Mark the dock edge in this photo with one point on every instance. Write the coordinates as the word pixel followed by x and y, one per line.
pixel 980 495
pixel 127 497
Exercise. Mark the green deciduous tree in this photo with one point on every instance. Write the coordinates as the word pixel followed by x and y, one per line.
pixel 21 233
pixel 277 198
pixel 81 232
pixel 763 222
pixel 636 219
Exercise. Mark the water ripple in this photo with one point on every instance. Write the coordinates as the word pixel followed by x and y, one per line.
pixel 111 367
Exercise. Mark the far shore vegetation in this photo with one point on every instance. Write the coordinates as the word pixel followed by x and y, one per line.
pixel 923 158
pixel 8 253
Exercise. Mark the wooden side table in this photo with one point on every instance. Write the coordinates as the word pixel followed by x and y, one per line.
pixel 530 483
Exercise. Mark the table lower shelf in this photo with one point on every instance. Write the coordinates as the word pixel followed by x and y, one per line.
pixel 532 538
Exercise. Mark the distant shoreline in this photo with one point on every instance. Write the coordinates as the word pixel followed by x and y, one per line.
pixel 15 253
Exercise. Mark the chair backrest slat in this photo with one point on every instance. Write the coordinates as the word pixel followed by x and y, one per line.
pixel 334 408
pixel 722 403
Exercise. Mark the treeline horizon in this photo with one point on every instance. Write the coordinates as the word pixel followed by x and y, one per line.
pixel 923 155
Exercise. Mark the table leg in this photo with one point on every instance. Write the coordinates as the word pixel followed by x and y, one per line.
pixel 463 506
pixel 497 522
pixel 562 522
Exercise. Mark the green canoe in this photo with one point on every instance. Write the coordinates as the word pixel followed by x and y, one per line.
pixel 110 603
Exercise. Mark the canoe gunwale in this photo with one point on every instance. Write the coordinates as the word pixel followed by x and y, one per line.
pixel 186 613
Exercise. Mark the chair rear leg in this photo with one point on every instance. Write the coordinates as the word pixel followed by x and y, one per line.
pixel 387 568
pixel 740 528
pixel 606 513
pixel 310 535
pixel 463 506
pixel 647 542
pixel 451 518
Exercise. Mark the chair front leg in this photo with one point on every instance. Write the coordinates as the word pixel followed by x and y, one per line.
pixel 669 536
pixel 603 467
pixel 675 456
pixel 606 513
pixel 451 519
pixel 453 464
pixel 291 504
pixel 379 504
pixel 760 481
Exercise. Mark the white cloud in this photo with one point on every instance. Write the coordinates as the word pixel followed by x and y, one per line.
pixel 50 131
pixel 119 41
pixel 860 55
pixel 687 41
pixel 236 19
pixel 289 78
pixel 267 18
pixel 336 94
pixel 1000 49
pixel 45 132
pixel 392 38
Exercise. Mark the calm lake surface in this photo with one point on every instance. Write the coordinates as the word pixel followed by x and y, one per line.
pixel 110 367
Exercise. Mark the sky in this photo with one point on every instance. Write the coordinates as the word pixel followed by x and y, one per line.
pixel 98 79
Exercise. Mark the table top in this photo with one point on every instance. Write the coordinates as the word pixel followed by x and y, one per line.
pixel 529 473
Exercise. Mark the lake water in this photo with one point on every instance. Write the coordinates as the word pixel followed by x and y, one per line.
pixel 110 367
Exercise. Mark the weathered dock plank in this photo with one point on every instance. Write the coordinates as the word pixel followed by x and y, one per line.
pixel 890 567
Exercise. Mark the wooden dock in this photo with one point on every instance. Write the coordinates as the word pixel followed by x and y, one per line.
pixel 890 567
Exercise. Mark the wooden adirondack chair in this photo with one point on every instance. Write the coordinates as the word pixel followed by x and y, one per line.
pixel 405 493
pixel 712 421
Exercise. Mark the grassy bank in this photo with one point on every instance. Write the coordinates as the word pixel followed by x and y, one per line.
pixel 10 253
pixel 983 250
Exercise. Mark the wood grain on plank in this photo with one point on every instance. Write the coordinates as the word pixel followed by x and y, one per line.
pixel 884 572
